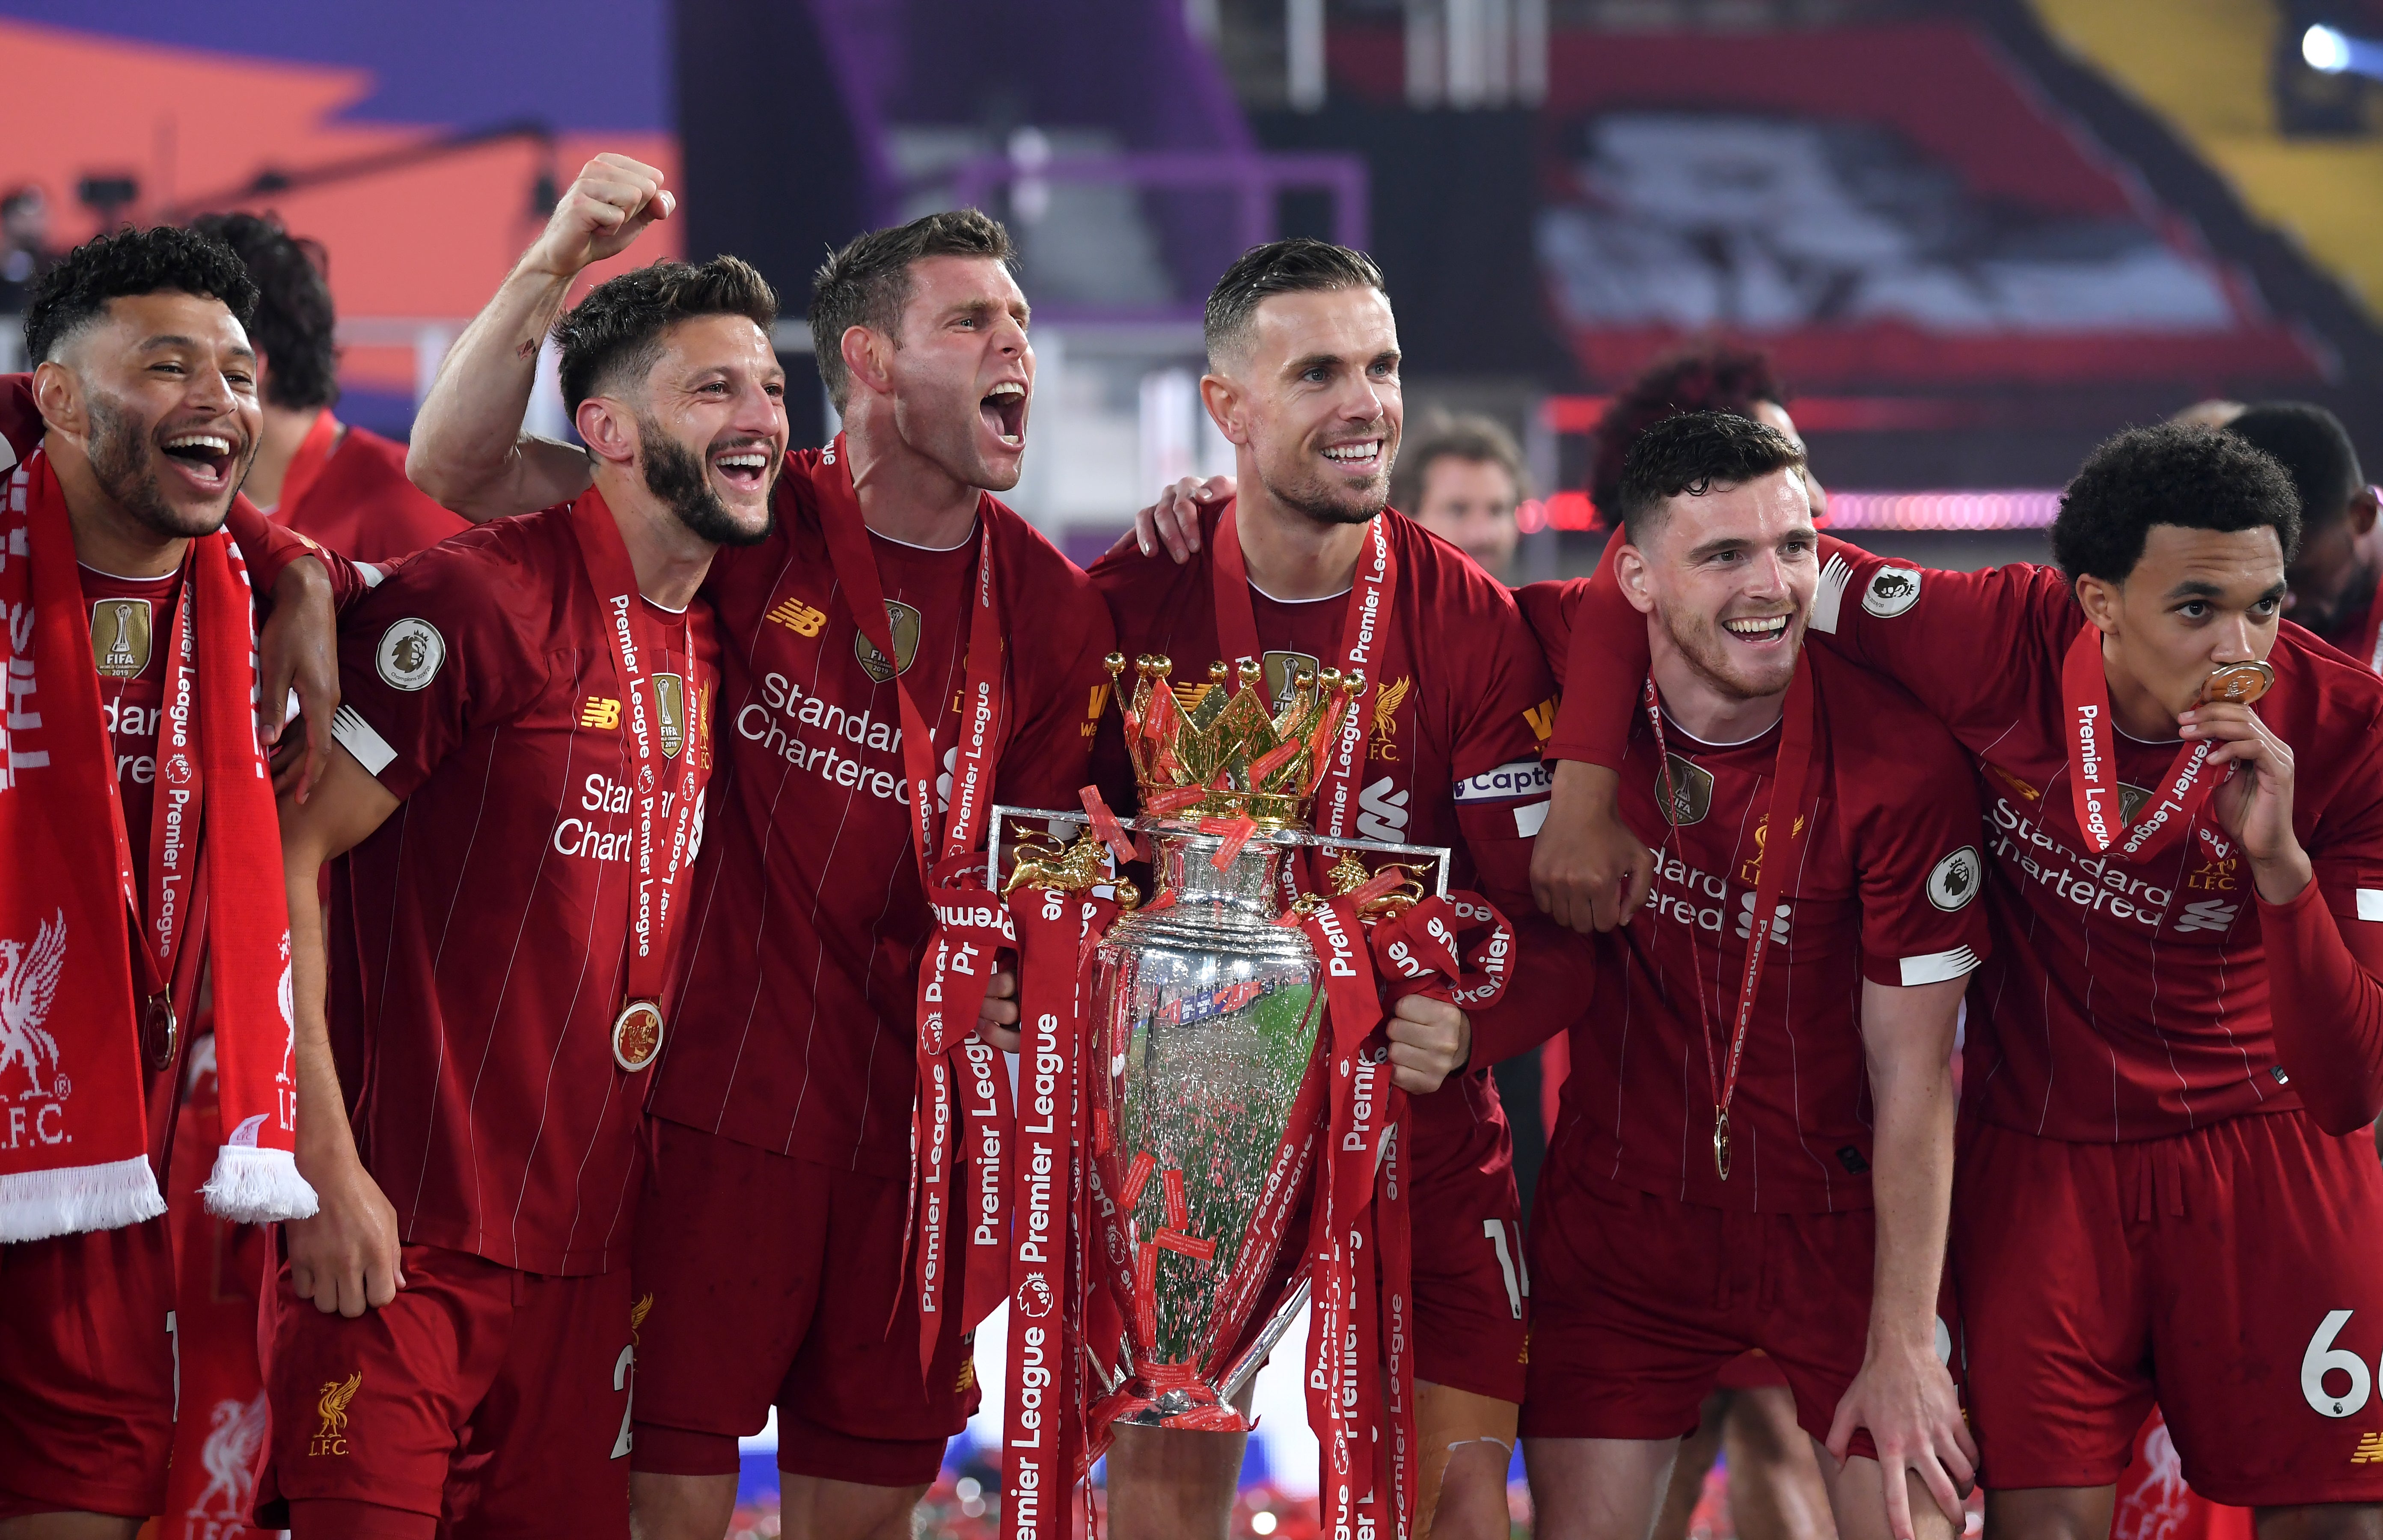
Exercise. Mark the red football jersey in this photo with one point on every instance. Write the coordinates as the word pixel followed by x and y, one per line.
pixel 799 986
pixel 480 935
pixel 361 505
pixel 1454 760
pixel 1884 889
pixel 2124 1001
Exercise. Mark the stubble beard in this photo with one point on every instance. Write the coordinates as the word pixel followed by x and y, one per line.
pixel 124 463
pixel 676 476
pixel 1318 500
pixel 1700 643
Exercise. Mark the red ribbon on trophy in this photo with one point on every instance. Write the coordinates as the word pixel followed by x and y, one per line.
pixel 1045 1450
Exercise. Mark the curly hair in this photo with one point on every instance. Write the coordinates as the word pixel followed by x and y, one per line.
pixel 867 282
pixel 1301 264
pixel 1706 376
pixel 126 263
pixel 294 322
pixel 2194 477
pixel 1693 452
pixel 615 332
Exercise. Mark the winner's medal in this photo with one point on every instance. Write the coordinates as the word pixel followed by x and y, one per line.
pixel 637 1035
pixel 2238 684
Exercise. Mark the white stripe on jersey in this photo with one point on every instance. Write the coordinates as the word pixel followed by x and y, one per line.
pixel 2370 904
pixel 1937 966
pixel 356 735
pixel 1830 594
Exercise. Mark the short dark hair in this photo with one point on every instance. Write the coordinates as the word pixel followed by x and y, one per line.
pixel 1472 437
pixel 2194 477
pixel 1703 376
pixel 293 325
pixel 1695 453
pixel 616 330
pixel 122 264
pixel 867 283
pixel 1299 265
pixel 2313 448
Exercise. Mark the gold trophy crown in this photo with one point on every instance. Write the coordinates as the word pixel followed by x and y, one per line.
pixel 1223 748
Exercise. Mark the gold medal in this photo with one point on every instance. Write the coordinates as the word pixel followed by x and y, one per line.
pixel 2239 683
pixel 637 1035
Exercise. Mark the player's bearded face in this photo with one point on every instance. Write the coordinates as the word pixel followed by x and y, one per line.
pixel 1320 401
pixel 964 375
pixel 2196 600
pixel 712 434
pixel 171 416
pixel 1733 574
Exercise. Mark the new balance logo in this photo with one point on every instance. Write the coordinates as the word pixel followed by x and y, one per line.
pixel 798 617
pixel 2369 1450
pixel 600 712
pixel 2208 914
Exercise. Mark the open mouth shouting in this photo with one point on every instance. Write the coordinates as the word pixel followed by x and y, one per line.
pixel 1003 411
pixel 743 466
pixel 1759 630
pixel 207 458
pixel 1362 456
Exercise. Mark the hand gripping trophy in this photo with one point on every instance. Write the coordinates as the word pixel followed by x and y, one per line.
pixel 1230 1048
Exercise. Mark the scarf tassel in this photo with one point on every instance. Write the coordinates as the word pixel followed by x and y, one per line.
pixel 256 1186
pixel 36 1205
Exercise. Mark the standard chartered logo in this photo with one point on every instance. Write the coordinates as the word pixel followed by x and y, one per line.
pixel 855 749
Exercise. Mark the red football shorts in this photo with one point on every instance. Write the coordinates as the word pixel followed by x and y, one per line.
pixel 87 1373
pixel 2235 1273
pixel 778 1281
pixel 1471 1283
pixel 1643 1301
pixel 494 1398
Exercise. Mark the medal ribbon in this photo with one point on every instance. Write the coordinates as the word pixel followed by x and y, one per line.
pixel 1364 634
pixel 173 835
pixel 637 640
pixel 1043 1426
pixel 943 1023
pixel 1786 825
pixel 2094 765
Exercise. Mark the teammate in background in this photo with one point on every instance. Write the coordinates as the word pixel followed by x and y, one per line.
pixel 522 753
pixel 1686 1216
pixel 1704 376
pixel 341 485
pixel 2332 581
pixel 2166 1188
pixel 1304 360
pixel 772 1235
pixel 1463 477
pixel 2214 412
pixel 132 430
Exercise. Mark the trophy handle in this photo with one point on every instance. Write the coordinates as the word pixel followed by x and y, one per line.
pixel 1254 1357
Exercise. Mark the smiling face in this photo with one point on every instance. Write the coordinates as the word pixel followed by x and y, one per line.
pixel 1730 576
pixel 2196 600
pixel 964 372
pixel 710 427
pixel 1313 397
pixel 161 391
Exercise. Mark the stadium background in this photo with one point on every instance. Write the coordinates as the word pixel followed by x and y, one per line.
pixel 1976 236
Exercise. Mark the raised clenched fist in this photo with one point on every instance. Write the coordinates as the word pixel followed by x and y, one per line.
pixel 601 215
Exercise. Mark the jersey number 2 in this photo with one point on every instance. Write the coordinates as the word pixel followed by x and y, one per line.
pixel 621 1367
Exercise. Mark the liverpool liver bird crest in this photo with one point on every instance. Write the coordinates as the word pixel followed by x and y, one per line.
pixel 29 981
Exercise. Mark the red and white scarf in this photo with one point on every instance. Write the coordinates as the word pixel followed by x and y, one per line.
pixel 74 1153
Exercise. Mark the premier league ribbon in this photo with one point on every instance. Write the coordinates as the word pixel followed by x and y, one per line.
pixel 661 866
pixel 2093 766
pixel 963 930
pixel 1785 825
pixel 1043 1430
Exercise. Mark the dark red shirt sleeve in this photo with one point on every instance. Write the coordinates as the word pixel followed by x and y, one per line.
pixel 269 548
pixel 2327 1007
pixel 1553 981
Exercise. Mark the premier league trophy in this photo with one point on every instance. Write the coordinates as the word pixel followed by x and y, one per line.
pixel 1206 1088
